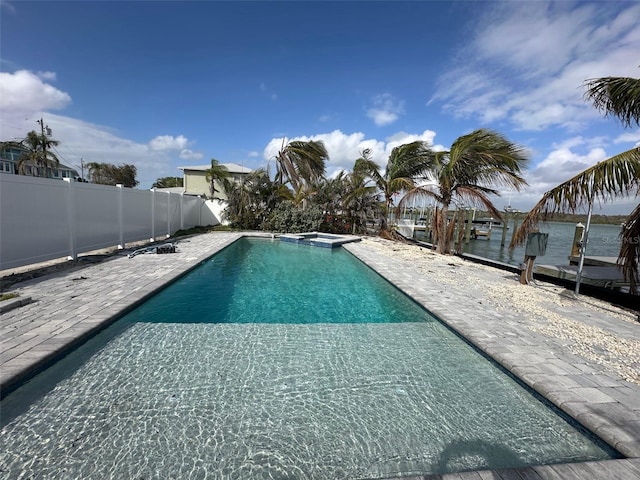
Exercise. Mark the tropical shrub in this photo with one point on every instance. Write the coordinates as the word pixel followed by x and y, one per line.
pixel 288 218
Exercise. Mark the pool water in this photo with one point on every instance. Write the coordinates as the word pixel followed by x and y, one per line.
pixel 279 361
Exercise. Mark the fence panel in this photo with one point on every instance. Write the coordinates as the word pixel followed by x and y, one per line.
pixel 136 214
pixel 160 209
pixel 34 223
pixel 44 219
pixel 96 219
pixel 174 213
pixel 192 211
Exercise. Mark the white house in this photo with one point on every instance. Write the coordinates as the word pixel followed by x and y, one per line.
pixel 10 152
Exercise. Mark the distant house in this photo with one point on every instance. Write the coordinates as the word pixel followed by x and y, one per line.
pixel 195 179
pixel 9 155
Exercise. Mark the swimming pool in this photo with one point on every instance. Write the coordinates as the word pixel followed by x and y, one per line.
pixel 224 378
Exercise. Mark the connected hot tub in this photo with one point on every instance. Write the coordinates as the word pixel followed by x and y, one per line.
pixel 315 239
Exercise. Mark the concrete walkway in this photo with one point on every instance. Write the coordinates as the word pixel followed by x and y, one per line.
pixel 70 306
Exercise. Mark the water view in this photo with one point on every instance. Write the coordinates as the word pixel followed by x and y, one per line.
pixel 603 241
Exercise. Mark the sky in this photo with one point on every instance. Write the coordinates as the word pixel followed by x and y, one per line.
pixel 164 84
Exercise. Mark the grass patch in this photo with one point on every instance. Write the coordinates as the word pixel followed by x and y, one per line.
pixel 8 296
pixel 197 230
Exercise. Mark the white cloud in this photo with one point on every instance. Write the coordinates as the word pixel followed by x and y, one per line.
pixel 386 109
pixel 169 142
pixel 560 165
pixel 83 141
pixel 535 78
pixel 344 149
pixel 26 92
pixel 96 143
pixel 253 154
pixel 51 76
pixel 401 138
pixel 629 137
pixel 188 154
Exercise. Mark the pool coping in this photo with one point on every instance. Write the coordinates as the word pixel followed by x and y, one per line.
pixel 319 239
pixel 46 330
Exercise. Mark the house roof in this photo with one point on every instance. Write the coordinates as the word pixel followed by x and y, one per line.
pixel 232 167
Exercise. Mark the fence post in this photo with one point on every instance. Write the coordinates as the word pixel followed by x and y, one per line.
pixel 181 211
pixel 71 211
pixel 121 214
pixel 153 214
pixel 168 214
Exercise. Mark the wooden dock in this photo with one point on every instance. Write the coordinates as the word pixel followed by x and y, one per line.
pixel 597 271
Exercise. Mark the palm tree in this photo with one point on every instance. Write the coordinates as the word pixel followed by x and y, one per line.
pixel 405 164
pixel 251 202
pixel 38 155
pixel 215 173
pixel 469 172
pixel 620 97
pixel 300 163
pixel 168 182
pixel 360 201
pixel 618 175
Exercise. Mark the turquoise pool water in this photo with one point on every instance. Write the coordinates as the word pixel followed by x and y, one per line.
pixel 275 360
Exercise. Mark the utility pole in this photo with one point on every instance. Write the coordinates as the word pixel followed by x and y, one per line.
pixel 43 139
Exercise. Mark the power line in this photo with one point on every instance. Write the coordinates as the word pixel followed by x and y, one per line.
pixel 59 154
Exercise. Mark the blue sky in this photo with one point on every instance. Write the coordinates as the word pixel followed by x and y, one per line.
pixel 166 84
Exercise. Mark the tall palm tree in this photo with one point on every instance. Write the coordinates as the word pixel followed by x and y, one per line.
pixel 38 155
pixel 215 173
pixel 475 166
pixel 360 201
pixel 405 164
pixel 299 163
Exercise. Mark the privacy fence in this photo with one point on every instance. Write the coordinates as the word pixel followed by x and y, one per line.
pixel 43 219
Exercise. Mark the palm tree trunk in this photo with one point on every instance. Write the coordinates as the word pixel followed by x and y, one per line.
pixel 441 238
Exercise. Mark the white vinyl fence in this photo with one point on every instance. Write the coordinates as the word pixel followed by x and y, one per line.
pixel 43 219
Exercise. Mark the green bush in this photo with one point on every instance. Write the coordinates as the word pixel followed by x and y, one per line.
pixel 8 296
pixel 287 218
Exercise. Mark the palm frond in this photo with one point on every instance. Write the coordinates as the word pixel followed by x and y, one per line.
pixel 474 196
pixel 487 158
pixel 617 176
pixel 617 96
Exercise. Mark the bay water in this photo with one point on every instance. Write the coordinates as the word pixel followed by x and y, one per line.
pixel 603 241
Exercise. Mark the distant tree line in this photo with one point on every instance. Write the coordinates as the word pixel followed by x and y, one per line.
pixel 575 218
